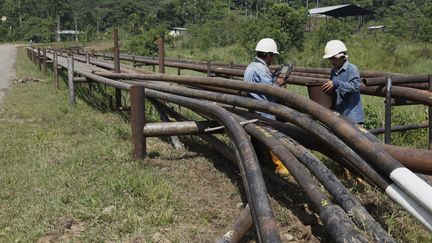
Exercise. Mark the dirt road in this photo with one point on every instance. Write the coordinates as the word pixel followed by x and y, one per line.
pixel 7 67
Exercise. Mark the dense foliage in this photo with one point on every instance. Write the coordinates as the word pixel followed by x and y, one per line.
pixel 210 22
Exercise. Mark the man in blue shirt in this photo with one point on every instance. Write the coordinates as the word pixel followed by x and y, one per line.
pixel 258 71
pixel 345 81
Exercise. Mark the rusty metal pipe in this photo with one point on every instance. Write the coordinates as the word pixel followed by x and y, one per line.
pixel 284 112
pixel 303 121
pixel 161 48
pixel 240 227
pixel 399 79
pixel 138 121
pixel 175 141
pixel 419 160
pixel 180 128
pixel 399 128
pixel 420 96
pixel 226 66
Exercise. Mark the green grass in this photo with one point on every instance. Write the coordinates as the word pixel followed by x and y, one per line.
pixel 61 164
pixel 68 173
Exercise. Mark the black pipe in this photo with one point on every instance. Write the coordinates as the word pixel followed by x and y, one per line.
pixel 336 222
pixel 334 186
pixel 248 163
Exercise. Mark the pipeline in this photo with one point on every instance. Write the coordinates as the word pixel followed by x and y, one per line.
pixel 293 116
pixel 396 80
pixel 196 65
pixel 379 157
pixel 399 196
pixel 251 174
pixel 105 80
pixel 399 128
pixel 249 168
pixel 406 92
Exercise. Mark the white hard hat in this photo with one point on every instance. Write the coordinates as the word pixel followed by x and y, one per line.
pixel 267 45
pixel 334 49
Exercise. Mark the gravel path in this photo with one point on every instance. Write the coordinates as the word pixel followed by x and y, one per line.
pixel 7 66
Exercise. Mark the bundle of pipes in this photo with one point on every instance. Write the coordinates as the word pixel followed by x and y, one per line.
pixel 409 87
pixel 371 78
pixel 374 161
pixel 371 74
pixel 352 137
pixel 404 90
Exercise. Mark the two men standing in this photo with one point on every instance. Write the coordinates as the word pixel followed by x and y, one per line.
pixel 344 77
pixel 344 81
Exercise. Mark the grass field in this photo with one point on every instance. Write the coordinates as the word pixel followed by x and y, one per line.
pixel 67 175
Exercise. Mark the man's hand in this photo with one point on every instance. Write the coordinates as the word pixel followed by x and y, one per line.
pixel 280 81
pixel 327 87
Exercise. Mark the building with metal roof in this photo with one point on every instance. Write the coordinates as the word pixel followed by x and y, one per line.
pixel 337 11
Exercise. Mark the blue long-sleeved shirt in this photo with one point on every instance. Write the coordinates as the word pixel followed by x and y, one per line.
pixel 259 72
pixel 346 82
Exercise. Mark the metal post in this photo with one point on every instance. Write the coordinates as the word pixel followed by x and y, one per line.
pixel 45 67
pixel 55 70
pixel 178 69
pixel 116 56
pixel 90 85
pixel 154 66
pixel 133 61
pixel 430 114
pixel 110 101
pixel 161 55
pixel 34 56
pixel 208 68
pixel 388 106
pixel 231 65
pixel 71 80
pixel 87 57
pixel 39 59
pixel 138 121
